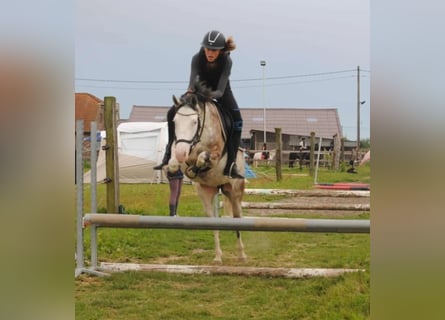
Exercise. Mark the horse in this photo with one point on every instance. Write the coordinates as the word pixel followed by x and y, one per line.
pixel 199 151
pixel 258 156
pixel 303 156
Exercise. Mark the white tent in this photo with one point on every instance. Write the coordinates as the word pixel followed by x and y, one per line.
pixel 141 146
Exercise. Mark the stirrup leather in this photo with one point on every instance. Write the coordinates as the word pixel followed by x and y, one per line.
pixel 233 172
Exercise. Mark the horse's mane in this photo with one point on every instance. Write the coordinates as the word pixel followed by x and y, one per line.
pixel 200 94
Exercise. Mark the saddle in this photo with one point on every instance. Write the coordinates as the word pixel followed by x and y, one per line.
pixel 226 121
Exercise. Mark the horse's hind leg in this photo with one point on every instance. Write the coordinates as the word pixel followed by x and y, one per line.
pixel 232 206
pixel 218 251
pixel 207 195
pixel 241 254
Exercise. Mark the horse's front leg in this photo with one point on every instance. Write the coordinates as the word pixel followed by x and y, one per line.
pixel 202 162
pixel 203 159
pixel 207 195
pixel 173 163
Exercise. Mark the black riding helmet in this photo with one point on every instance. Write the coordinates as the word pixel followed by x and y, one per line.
pixel 214 40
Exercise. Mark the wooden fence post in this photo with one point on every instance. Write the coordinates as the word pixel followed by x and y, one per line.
pixel 278 154
pixel 312 155
pixel 337 148
pixel 111 159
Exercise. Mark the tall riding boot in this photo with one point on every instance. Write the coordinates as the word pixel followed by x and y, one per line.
pixel 171 138
pixel 172 208
pixel 232 150
pixel 167 156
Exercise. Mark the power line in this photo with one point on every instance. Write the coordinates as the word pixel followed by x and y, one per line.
pixel 128 88
pixel 232 80
pixel 296 76
pixel 235 87
pixel 130 81
pixel 296 82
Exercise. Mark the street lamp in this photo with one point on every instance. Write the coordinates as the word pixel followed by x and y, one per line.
pixel 358 113
pixel 263 64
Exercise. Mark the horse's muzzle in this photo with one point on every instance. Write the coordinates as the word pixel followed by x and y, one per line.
pixel 182 151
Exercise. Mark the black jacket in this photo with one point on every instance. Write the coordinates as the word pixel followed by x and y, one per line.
pixel 216 74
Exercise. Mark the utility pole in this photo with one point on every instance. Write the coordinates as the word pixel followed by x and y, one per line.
pixel 263 64
pixel 358 112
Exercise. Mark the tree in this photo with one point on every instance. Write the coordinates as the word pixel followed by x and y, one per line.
pixel 365 143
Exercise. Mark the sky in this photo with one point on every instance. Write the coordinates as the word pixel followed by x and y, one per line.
pixel 140 51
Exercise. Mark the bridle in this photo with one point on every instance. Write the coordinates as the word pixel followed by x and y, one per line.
pixel 199 128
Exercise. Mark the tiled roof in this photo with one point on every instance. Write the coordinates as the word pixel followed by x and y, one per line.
pixel 325 122
pixel 88 109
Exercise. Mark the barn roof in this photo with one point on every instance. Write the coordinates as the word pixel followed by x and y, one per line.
pixel 325 122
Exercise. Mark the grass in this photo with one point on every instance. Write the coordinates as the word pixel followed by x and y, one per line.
pixel 174 296
pixel 155 295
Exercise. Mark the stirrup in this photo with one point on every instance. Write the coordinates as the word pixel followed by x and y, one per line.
pixel 233 172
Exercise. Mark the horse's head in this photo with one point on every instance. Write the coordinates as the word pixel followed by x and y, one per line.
pixel 188 125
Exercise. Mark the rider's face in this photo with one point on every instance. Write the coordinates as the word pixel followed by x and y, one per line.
pixel 211 54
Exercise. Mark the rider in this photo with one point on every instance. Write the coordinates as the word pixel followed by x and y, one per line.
pixel 213 65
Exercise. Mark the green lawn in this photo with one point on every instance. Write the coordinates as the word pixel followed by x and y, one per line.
pixel 156 295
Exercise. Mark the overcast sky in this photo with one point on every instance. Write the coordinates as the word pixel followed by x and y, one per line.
pixel 139 52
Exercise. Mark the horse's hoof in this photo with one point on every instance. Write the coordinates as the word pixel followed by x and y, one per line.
pixel 190 173
pixel 242 259
pixel 203 158
pixel 217 261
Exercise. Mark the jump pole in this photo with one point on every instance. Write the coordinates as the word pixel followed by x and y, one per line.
pixel 309 193
pixel 241 224
pixel 96 220
pixel 79 198
pixel 93 161
pixel 229 270
pixel 298 206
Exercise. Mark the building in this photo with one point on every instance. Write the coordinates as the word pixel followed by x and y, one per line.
pixel 295 123
pixel 88 108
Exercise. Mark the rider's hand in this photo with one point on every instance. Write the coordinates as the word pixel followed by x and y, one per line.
pixel 185 94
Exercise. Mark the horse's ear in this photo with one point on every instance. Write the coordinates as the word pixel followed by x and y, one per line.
pixel 175 100
pixel 195 101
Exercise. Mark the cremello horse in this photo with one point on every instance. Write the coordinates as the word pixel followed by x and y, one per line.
pixel 199 150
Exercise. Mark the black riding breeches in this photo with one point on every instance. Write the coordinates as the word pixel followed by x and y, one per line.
pixel 229 103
